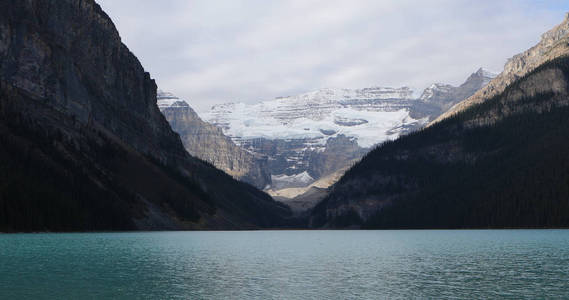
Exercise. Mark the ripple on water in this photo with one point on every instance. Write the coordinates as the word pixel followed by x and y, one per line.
pixel 287 264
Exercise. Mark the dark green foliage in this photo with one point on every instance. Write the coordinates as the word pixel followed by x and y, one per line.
pixel 512 173
pixel 41 190
pixel 525 183
pixel 350 218
pixel 58 175
pixel 62 176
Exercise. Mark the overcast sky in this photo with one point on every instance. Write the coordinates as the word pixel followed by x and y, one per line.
pixel 217 51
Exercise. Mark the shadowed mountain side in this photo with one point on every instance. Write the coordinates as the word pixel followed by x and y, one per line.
pixel 83 144
pixel 502 163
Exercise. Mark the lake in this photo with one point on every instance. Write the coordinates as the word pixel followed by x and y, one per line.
pixel 286 264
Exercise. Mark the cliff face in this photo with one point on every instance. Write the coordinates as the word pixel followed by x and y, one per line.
pixel 500 163
pixel 68 55
pixel 553 44
pixel 207 142
pixel 85 144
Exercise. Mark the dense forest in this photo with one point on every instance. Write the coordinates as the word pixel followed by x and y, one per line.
pixel 502 163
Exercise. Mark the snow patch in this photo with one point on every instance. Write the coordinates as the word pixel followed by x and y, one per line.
pixel 296 180
pixel 165 100
pixel 371 115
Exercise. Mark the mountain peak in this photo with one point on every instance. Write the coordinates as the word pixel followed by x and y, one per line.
pixel 446 95
pixel 167 99
pixel 160 94
pixel 485 73
pixel 481 75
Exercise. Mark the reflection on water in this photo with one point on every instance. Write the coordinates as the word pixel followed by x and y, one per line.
pixel 287 264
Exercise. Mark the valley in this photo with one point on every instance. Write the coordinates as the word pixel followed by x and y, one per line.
pixel 307 141
pixel 89 142
pixel 284 149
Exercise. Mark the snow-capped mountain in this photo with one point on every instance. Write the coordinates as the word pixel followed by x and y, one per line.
pixel 369 115
pixel 308 136
pixel 167 99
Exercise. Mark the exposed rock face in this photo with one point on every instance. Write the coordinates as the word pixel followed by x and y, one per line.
pixel 309 136
pixel 444 96
pixel 313 135
pixel 207 142
pixel 553 44
pixel 67 55
pixel 85 144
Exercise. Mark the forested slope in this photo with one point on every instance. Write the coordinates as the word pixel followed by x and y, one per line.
pixel 501 163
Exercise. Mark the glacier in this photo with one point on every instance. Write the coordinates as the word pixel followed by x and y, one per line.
pixel 310 136
pixel 370 115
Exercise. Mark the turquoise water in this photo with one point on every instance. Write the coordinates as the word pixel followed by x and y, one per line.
pixel 286 265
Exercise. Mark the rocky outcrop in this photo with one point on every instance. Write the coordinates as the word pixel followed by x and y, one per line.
pixel 338 153
pixel 553 44
pixel 444 96
pixel 85 145
pixel 207 142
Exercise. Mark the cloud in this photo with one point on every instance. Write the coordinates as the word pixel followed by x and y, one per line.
pixel 211 52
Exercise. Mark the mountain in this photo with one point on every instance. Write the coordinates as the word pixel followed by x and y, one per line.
pixel 499 163
pixel 83 144
pixel 553 44
pixel 444 96
pixel 207 142
pixel 314 135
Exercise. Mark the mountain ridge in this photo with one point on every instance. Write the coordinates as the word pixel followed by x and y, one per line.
pixel 554 43
pixel 326 130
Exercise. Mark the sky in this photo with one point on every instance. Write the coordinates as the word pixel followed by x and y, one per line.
pixel 217 51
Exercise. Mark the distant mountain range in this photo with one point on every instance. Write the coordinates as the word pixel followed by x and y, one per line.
pixel 290 143
pixel 313 135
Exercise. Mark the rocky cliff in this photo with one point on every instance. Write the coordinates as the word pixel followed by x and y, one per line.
pixel 83 143
pixel 207 142
pixel 553 44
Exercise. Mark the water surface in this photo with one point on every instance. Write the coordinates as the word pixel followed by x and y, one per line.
pixel 286 264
